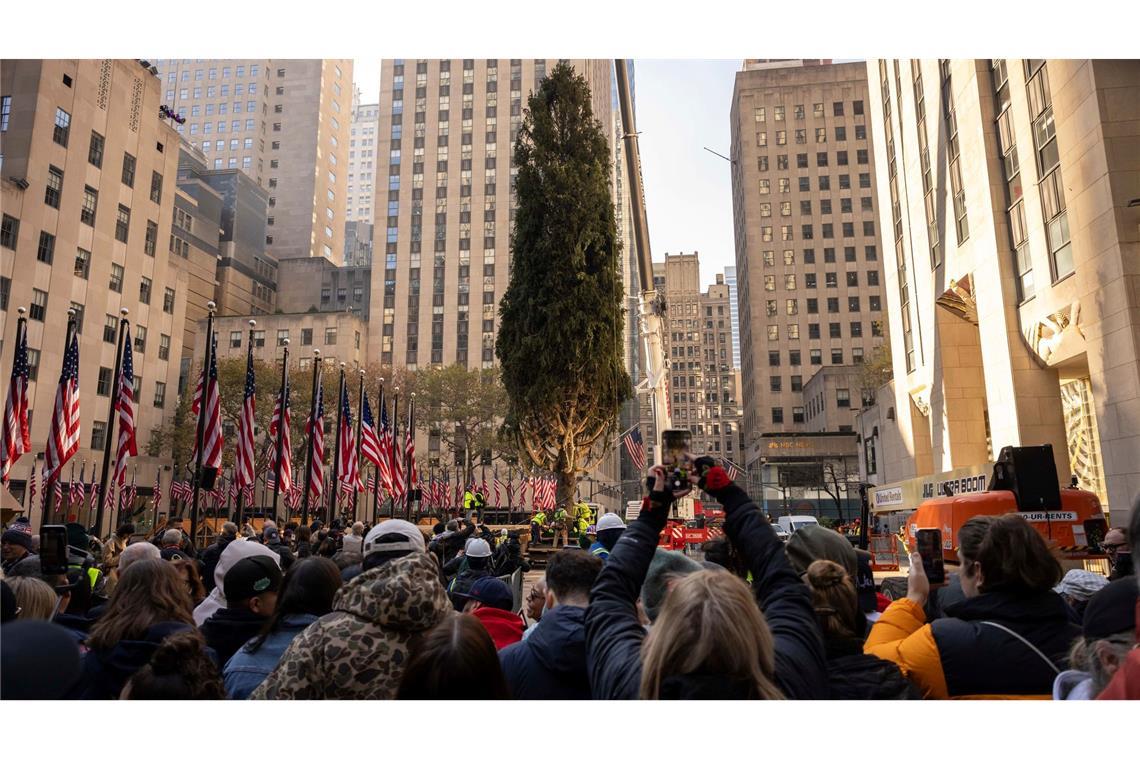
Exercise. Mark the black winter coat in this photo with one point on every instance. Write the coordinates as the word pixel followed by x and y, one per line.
pixel 106 672
pixel 283 551
pixel 228 629
pixel 614 635
pixel 854 675
pixel 210 556
pixel 551 662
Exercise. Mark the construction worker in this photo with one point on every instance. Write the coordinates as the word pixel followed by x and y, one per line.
pixel 561 526
pixel 610 528
pixel 584 516
pixel 468 501
pixel 537 524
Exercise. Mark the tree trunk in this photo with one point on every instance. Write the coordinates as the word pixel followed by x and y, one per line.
pixel 567 486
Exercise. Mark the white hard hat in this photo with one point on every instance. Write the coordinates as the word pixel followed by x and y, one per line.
pixel 477 547
pixel 610 521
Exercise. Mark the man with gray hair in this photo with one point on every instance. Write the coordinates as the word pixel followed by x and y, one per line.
pixel 172 544
pixel 137 552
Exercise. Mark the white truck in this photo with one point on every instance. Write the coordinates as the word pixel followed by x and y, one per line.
pixel 789 524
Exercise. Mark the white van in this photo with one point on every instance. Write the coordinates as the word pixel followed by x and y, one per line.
pixel 791 523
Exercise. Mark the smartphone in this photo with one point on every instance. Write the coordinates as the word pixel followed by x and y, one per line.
pixel 53 550
pixel 674 447
pixel 928 543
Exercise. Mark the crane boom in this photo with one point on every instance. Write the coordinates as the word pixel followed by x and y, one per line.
pixel 652 304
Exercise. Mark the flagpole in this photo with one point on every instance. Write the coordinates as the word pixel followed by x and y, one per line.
pixel 375 469
pixel 359 419
pixel 407 459
pixel 68 334
pixel 109 434
pixel 336 451
pixel 202 404
pixel 395 437
pixel 241 491
pixel 280 428
pixel 157 493
pixel 309 449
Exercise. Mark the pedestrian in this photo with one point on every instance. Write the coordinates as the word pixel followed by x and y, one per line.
pixel 561 523
pixel 272 540
pixel 188 569
pixel 304 541
pixel 508 556
pixel 213 552
pixel 1119 553
pixel 149 604
pixel 15 545
pixel 1077 587
pixel 851 674
pixel 251 587
pixel 610 529
pixel 233 553
pixel 171 545
pixel 35 599
pixel 710 639
pixel 1126 683
pixel 134 553
pixel 180 668
pixel 359 650
pixel 551 664
pixel 535 605
pixel 475 562
pixel 38 660
pixel 454 660
pixel 537 524
pixel 490 601
pixel 354 541
pixel 1108 634
pixel 1008 637
pixel 306 594
pixel 115 546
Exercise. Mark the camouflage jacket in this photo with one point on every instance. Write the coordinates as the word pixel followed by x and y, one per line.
pixel 358 650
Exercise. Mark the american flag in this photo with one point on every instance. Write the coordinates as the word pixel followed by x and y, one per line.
pixel 17 434
pixel 74 500
pixel 31 490
pixel 212 432
pixel 369 442
pixel 132 494
pixel 498 489
pixel 281 477
pixel 385 447
pixel 157 490
pixel 348 469
pixel 93 490
pixel 394 454
pixel 410 447
pixel 125 407
pixel 510 487
pixel 57 495
pixel 243 461
pixel 371 483
pixel 457 496
pixel 635 447
pixel 79 493
pixel 733 471
pixel 63 441
pixel 315 430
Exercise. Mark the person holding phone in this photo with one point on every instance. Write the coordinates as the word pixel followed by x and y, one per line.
pixel 1009 637
pixel 758 642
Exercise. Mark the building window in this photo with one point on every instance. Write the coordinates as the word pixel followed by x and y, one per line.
pixel 164 347
pixel 306 336
pixel 843 398
pixel 39 305
pixel 5 112
pixel 330 336
pixel 62 127
pixel 98 435
pixel 116 283
pixel 258 339
pixel 9 231
pixel 128 170
pixel 815 356
pixel 773 358
pixel 45 250
pixel 777 415
pixel 235 339
pixel 103 384
pixel 168 300
pixel 140 341
pixel 150 241
pixel 156 187
pixel 90 205
pixel 837 356
pixel 54 187
pixel 82 263
pixel 122 224
pixel 797 414
pixel 282 336
pixel 144 290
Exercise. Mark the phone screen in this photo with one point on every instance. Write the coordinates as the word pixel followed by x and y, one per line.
pixel 674 445
pixel 928 542
pixel 53 550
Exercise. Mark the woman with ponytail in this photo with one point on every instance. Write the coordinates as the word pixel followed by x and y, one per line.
pixel 851 674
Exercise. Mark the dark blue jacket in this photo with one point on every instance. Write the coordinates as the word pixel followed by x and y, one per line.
pixel 106 672
pixel 614 635
pixel 551 663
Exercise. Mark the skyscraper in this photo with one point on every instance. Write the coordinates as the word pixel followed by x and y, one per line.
pixel 807 243
pixel 1012 283
pixel 734 305
pixel 286 124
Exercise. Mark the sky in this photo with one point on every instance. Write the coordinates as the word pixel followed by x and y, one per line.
pixel 682 108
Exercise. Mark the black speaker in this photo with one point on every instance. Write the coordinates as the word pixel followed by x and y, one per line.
pixel 209 478
pixel 1031 473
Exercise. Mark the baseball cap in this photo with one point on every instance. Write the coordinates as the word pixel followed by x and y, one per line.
pixel 490 591
pixel 610 521
pixel 814 542
pixel 393 536
pixel 18 537
pixel 478 547
pixel 1111 610
pixel 252 576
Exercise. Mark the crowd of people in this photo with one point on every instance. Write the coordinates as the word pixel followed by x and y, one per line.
pixel 389 612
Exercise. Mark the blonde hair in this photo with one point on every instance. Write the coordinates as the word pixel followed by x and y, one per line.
pixel 834 600
pixel 36 599
pixel 710 623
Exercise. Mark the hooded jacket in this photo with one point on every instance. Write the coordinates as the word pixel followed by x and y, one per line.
pixel 614 635
pixel 106 672
pixel 358 650
pixel 551 663
pixel 247 669
pixel 228 629
pixel 505 627
pixel 216 599
pixel 1073 685
pixel 966 655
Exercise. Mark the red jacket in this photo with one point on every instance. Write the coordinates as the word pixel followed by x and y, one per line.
pixel 505 628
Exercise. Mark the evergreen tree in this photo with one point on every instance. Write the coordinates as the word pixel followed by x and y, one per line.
pixel 560 337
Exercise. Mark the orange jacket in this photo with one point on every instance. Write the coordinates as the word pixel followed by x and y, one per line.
pixel 902 636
